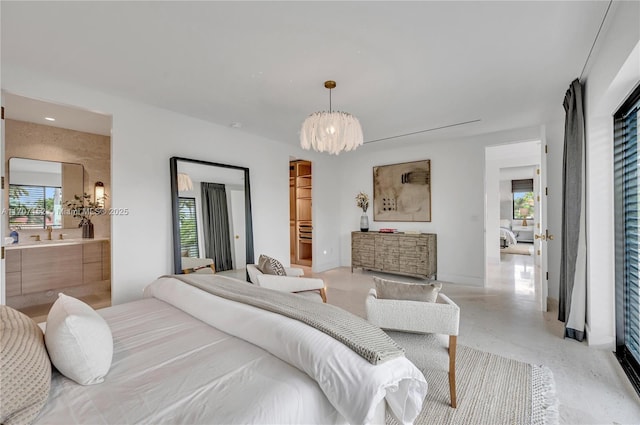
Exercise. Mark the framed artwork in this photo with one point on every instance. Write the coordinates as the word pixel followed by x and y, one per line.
pixel 402 192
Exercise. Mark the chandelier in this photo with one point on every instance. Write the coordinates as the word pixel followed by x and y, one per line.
pixel 184 182
pixel 331 132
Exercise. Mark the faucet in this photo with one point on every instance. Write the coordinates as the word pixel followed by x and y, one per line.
pixel 49 229
pixel 36 236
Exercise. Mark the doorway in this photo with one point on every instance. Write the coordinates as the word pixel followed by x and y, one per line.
pixel 514 217
pixel 300 219
pixel 53 157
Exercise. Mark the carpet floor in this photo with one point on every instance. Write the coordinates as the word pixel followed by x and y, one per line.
pixel 521 249
pixel 490 389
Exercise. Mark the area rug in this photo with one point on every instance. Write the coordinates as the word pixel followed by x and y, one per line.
pixel 490 390
pixel 521 249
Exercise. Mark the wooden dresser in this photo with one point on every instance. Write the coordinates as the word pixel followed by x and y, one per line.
pixel 411 255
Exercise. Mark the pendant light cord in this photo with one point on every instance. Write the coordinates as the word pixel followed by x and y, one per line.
pixel 330 101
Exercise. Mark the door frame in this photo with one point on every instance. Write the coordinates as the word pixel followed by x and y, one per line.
pixel 506 155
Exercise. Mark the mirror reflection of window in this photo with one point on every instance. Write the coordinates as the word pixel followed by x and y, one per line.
pixel 188 227
pixel 35 207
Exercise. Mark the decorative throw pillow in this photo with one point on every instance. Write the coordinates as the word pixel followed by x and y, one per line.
pixel 79 341
pixel 25 369
pixel 394 290
pixel 268 265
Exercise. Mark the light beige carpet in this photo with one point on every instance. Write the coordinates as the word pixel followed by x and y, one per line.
pixel 490 390
pixel 521 249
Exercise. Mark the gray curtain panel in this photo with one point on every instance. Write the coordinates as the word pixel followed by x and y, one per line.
pixel 215 217
pixel 572 303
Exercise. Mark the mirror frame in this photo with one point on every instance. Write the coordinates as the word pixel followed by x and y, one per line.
pixel 173 168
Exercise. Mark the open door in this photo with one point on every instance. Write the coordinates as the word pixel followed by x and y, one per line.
pixel 541 233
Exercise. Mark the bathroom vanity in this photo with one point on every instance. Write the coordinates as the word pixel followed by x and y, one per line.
pixel 44 266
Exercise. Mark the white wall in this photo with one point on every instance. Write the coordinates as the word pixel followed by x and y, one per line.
pixel 506 200
pixel 613 72
pixel 143 139
pixel 458 204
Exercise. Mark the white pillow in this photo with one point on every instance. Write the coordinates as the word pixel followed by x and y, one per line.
pixel 79 341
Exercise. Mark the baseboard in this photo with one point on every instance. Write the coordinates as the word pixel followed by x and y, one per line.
pixel 463 280
pixel 323 267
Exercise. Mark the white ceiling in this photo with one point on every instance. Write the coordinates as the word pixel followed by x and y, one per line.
pixel 401 67
pixel 36 111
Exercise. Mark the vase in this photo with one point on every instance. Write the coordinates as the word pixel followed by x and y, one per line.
pixel 364 222
pixel 87 230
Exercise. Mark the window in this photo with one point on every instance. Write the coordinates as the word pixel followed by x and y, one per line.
pixel 35 207
pixel 523 205
pixel 188 227
pixel 627 214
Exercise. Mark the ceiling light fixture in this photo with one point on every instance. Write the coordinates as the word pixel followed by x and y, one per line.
pixel 49 119
pixel 331 132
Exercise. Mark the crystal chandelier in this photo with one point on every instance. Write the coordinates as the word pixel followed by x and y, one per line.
pixel 331 132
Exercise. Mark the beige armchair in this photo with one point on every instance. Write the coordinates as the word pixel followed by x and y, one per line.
pixel 292 282
pixel 441 317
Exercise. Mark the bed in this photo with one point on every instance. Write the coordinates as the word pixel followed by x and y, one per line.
pixel 507 237
pixel 182 355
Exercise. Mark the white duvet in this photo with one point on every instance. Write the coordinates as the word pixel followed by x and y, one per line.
pixel 353 386
pixel 171 368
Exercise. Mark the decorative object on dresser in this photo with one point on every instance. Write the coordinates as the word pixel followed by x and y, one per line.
pixel 362 201
pixel 411 255
pixel 402 192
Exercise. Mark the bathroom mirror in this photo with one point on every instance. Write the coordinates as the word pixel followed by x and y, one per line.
pixel 38 191
pixel 211 205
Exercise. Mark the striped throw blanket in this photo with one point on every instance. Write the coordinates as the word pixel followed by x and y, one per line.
pixel 365 339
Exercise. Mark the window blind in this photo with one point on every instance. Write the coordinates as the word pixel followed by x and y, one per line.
pixel 525 185
pixel 627 214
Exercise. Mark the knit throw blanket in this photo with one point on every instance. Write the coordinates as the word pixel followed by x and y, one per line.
pixel 365 339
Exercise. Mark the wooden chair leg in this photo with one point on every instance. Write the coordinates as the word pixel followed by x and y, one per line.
pixel 453 340
pixel 323 294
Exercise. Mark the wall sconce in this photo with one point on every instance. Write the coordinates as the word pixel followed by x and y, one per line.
pixel 99 194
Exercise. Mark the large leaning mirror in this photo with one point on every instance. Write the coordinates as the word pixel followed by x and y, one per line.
pixel 212 226
pixel 38 191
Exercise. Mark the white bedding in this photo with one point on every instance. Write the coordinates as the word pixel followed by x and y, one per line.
pixel 186 356
pixel 353 385
pixel 508 235
pixel 169 367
